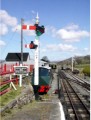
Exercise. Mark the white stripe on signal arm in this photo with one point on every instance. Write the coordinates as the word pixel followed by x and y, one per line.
pixel 27 27
pixel 27 45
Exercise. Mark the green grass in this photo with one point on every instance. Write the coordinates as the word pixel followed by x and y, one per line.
pixel 7 97
pixel 82 65
pixel 3 87
pixel 84 69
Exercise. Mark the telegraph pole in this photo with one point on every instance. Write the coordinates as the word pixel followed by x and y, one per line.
pixel 21 63
pixel 72 64
pixel 22 41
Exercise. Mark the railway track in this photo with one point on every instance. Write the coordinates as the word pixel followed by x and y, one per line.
pixel 77 107
pixel 79 81
pixel 82 82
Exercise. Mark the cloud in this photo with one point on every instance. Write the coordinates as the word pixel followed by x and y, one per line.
pixel 86 49
pixel 2 43
pixel 72 27
pixel 69 33
pixel 43 50
pixel 33 12
pixel 61 47
pixel 78 54
pixel 65 47
pixel 7 19
pixel 82 52
pixel 50 30
pixel 3 29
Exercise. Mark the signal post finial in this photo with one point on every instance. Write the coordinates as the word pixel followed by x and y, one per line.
pixel 37 19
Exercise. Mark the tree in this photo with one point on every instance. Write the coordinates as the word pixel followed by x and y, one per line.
pixel 45 58
pixel 79 61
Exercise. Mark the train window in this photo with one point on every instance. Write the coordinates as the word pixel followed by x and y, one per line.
pixel 53 66
pixel 43 72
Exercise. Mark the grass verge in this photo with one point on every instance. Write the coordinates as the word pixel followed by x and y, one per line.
pixel 9 96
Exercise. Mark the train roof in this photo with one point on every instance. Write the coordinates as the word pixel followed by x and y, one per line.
pixel 45 67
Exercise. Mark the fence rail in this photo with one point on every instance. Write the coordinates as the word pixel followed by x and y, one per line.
pixel 3 88
pixel 9 68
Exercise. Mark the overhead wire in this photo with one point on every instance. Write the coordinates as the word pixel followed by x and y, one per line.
pixel 9 41
pixel 11 37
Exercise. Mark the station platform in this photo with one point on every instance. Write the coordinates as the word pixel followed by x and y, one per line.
pixel 49 108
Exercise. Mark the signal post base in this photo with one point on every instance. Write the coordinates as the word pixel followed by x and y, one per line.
pixel 36 93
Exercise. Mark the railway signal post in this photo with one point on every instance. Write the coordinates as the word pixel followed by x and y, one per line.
pixel 36 73
pixel 39 30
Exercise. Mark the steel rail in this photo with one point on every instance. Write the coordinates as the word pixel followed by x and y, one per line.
pixel 80 81
pixel 76 115
pixel 70 98
pixel 79 98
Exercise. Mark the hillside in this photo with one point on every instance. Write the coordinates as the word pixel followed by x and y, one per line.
pixel 77 60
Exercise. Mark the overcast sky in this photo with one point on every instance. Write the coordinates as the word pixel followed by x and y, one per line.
pixel 67 27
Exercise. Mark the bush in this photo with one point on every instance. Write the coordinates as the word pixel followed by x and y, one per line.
pixel 75 71
pixel 86 71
